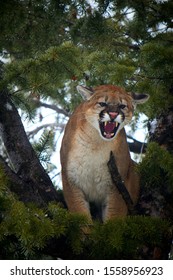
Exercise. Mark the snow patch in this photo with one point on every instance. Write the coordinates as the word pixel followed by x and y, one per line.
pixel 153 126
pixel 9 107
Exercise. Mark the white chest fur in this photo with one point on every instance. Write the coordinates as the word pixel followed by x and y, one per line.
pixel 87 168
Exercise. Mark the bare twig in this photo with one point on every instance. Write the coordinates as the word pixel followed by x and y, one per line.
pixel 52 107
pixel 130 46
pixel 51 125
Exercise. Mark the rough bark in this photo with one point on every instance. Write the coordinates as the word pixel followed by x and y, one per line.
pixel 28 171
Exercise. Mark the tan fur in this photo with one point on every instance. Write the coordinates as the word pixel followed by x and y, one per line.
pixel 85 154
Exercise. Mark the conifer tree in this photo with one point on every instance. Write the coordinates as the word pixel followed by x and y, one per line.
pixel 46 49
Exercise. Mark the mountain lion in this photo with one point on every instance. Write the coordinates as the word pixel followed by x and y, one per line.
pixel 94 130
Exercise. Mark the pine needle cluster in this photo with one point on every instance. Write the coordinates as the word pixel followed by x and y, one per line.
pixel 28 232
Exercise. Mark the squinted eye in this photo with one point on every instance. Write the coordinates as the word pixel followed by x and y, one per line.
pixel 102 104
pixel 122 106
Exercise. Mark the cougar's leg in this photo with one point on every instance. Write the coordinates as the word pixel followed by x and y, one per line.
pixel 75 199
pixel 114 206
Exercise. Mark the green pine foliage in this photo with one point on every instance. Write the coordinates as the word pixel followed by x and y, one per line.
pixel 26 228
pixel 44 148
pixel 156 168
pixel 155 78
pixel 124 238
pixel 44 73
pixel 49 45
pixel 26 232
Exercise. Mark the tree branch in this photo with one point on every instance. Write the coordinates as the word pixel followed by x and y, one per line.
pixel 130 46
pixel 37 129
pixel 24 190
pixel 119 184
pixel 136 146
pixel 52 107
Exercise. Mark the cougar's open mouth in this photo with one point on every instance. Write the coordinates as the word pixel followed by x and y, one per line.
pixel 108 129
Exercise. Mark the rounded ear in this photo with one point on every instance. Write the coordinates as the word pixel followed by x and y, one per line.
pixel 139 98
pixel 85 92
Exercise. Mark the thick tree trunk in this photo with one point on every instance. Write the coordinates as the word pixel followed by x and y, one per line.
pixel 32 182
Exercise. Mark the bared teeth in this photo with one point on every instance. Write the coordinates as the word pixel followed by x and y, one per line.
pixel 106 122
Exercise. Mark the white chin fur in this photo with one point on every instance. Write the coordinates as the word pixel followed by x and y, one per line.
pixel 108 139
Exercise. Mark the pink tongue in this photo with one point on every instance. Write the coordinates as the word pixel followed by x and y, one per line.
pixel 109 127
